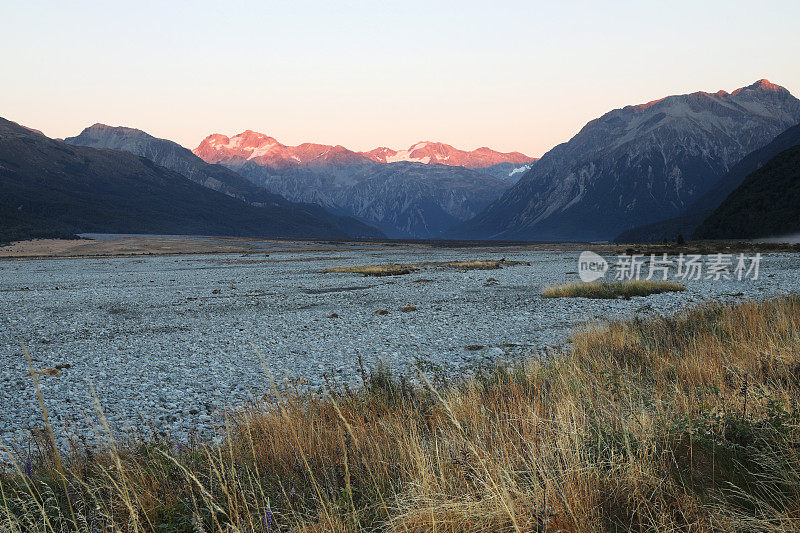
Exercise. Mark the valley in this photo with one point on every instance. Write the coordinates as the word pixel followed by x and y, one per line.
pixel 400 267
pixel 185 323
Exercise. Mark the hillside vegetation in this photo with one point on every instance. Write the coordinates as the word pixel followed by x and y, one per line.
pixel 767 203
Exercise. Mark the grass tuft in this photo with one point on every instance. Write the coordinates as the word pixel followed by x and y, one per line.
pixel 616 289
pixel 399 269
pixel 389 269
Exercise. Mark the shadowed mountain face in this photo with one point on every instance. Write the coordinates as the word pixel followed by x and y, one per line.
pixel 174 157
pixel 217 177
pixel 700 209
pixel 766 204
pixel 636 165
pixel 401 199
pixel 48 187
pixel 412 197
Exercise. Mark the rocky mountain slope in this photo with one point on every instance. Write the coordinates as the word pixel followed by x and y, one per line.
pixel 175 157
pixel 766 204
pixel 636 165
pixel 50 188
pixel 700 209
pixel 403 198
pixel 411 199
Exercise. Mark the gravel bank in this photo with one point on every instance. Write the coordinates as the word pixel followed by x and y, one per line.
pixel 165 340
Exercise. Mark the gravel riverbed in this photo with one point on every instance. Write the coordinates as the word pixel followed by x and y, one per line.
pixel 165 341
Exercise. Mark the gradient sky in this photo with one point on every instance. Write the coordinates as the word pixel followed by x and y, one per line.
pixel 519 76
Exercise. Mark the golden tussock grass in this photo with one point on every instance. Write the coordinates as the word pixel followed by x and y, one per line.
pixel 397 269
pixel 684 423
pixel 614 289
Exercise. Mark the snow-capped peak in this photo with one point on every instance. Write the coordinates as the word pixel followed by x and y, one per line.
pixel 265 150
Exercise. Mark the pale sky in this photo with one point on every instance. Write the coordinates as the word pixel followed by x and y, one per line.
pixel 513 75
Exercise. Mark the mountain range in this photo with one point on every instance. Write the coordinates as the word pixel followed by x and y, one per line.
pixel 681 164
pixel 175 157
pixel 50 188
pixel 267 151
pixel 419 192
pixel 636 165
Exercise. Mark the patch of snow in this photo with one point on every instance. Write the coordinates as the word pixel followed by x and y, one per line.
pixel 402 155
pixel 519 170
pixel 260 151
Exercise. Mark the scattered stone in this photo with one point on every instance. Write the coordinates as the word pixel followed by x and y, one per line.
pixel 199 357
pixel 475 347
pixel 333 315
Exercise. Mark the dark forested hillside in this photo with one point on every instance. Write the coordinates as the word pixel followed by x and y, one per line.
pixel 767 203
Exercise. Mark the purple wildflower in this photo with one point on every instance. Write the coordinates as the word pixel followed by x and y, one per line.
pixel 267 518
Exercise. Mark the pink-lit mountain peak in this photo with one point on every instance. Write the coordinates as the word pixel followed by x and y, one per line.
pixel 760 86
pixel 266 150
pixel 248 145
pixel 440 153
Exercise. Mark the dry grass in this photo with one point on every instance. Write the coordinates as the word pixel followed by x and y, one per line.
pixel 388 269
pixel 685 423
pixel 616 289
pixel 395 269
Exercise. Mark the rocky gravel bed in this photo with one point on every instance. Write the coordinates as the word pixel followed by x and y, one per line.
pixel 165 342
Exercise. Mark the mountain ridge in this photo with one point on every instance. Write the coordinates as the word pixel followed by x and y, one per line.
pixel 171 155
pixel 48 187
pixel 635 165
pixel 702 207
pixel 765 204
pixel 268 151
pixel 414 197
